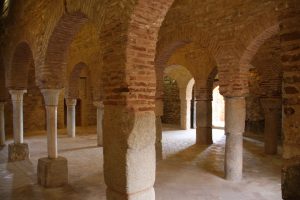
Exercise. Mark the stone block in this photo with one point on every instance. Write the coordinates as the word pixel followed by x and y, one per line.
pixel 52 173
pixel 18 152
pixel 291 180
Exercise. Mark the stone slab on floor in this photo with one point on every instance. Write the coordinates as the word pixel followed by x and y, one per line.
pixel 291 180
pixel 52 173
pixel 18 152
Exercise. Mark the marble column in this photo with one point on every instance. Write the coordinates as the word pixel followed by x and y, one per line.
pixel 52 170
pixel 18 150
pixel 158 128
pixel 100 113
pixel 235 115
pixel 204 122
pixel 2 124
pixel 17 101
pixel 272 111
pixel 129 153
pixel 71 117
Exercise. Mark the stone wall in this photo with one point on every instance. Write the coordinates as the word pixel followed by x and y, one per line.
pixel 171 102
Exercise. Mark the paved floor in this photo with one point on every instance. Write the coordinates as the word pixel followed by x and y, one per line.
pixel 188 172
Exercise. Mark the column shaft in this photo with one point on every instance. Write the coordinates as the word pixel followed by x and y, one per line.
pixel 158 128
pixel 71 117
pixel 204 122
pixel 100 113
pixel 272 111
pixel 2 124
pixel 235 114
pixel 129 153
pixel 17 101
pixel 51 101
pixel 185 113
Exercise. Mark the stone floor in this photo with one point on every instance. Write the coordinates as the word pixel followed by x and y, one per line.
pixel 188 172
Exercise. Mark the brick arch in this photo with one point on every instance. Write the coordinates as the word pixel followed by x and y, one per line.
pixel 129 53
pixel 211 78
pixel 204 92
pixel 72 91
pixel 255 44
pixel 52 74
pixel 18 70
pixel 169 43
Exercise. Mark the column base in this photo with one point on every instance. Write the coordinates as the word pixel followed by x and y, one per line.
pixel 18 152
pixel 52 172
pixel 148 194
pixel 291 180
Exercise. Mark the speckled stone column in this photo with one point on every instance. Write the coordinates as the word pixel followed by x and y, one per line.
pixel 71 117
pixel 204 122
pixel 158 125
pixel 235 115
pixel 2 124
pixel 100 113
pixel 272 110
pixel 129 153
pixel 18 150
pixel 17 101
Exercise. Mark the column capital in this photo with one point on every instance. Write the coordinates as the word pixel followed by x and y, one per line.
pixel 51 96
pixel 98 104
pixel 271 105
pixel 17 95
pixel 71 102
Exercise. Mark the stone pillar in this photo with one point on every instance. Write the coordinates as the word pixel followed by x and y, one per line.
pixel 204 122
pixel 71 117
pixel 2 124
pixel 272 110
pixel 100 113
pixel 18 150
pixel 289 20
pixel 235 115
pixel 129 153
pixel 158 124
pixel 185 119
pixel 53 170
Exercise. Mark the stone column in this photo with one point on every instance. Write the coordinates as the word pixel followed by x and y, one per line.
pixel 185 113
pixel 129 153
pixel 2 124
pixel 100 113
pixel 235 115
pixel 289 20
pixel 158 124
pixel 17 101
pixel 53 170
pixel 18 150
pixel 204 122
pixel 71 117
pixel 272 111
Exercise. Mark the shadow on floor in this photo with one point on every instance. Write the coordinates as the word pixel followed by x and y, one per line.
pixel 79 148
pixel 188 154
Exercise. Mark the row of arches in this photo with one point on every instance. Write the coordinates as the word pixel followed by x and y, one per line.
pixel 131 53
